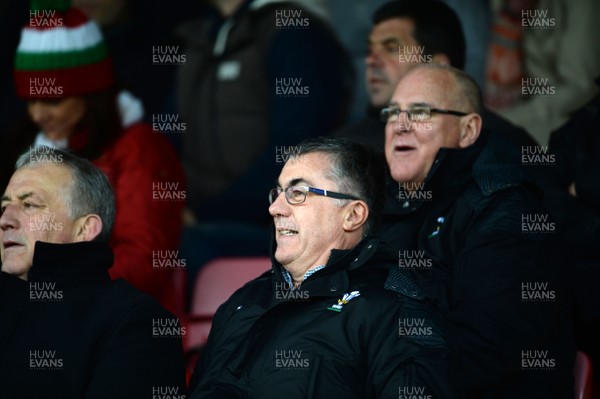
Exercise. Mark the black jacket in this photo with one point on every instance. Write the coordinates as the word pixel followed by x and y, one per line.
pixel 271 342
pixel 575 152
pixel 69 332
pixel 369 130
pixel 575 158
pixel 477 239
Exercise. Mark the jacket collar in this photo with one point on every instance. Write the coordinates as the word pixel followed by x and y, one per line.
pixel 333 280
pixel 490 163
pixel 452 166
pixel 447 178
pixel 498 166
pixel 72 263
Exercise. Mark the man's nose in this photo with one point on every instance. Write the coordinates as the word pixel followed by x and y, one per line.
pixel 8 219
pixel 280 206
pixel 373 58
pixel 404 117
pixel 38 112
pixel 402 125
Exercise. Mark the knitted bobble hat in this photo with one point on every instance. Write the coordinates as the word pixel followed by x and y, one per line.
pixel 61 53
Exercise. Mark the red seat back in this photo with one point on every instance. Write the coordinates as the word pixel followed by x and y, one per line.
pixel 215 283
pixel 583 376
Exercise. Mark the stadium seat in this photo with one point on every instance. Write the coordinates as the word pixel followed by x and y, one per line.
pixel 214 284
pixel 583 376
pixel 179 282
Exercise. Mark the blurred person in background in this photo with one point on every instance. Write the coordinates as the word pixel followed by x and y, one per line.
pixel 542 57
pixel 13 15
pixel 260 76
pixel 64 72
pixel 134 31
pixel 352 21
pixel 572 194
pixel 407 33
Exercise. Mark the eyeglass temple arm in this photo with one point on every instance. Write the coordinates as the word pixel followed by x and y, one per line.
pixel 448 111
pixel 331 194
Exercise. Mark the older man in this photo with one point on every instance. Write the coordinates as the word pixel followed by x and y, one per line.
pixel 67 331
pixel 477 238
pixel 320 324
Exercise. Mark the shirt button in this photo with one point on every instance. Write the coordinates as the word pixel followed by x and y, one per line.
pixel 333 289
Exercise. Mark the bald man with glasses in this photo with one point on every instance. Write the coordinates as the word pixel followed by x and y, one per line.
pixel 471 230
pixel 320 324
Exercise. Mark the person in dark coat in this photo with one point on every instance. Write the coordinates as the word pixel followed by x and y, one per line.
pixel 67 330
pixel 320 324
pixel 461 216
pixel 571 174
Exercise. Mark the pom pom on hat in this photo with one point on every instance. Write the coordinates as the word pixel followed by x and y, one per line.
pixel 61 53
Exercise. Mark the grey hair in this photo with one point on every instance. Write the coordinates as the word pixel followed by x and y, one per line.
pixel 356 169
pixel 465 87
pixel 89 192
pixel 469 89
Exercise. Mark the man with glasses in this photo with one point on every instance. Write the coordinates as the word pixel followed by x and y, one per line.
pixel 476 238
pixel 320 324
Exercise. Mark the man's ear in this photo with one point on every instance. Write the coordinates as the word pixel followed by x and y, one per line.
pixel 470 127
pixel 87 228
pixel 355 216
pixel 441 58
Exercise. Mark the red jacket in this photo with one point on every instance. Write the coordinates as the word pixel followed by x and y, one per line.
pixel 149 187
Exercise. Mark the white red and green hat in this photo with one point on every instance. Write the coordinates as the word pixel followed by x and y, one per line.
pixel 62 48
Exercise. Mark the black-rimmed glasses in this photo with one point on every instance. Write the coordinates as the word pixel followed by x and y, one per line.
pixel 415 114
pixel 297 194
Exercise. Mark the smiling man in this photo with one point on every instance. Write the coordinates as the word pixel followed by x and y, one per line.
pixel 306 235
pixel 68 331
pixel 417 128
pixel 455 217
pixel 320 324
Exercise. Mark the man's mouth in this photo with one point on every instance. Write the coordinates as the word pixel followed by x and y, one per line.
pixel 287 232
pixel 10 244
pixel 403 148
pixel 376 81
